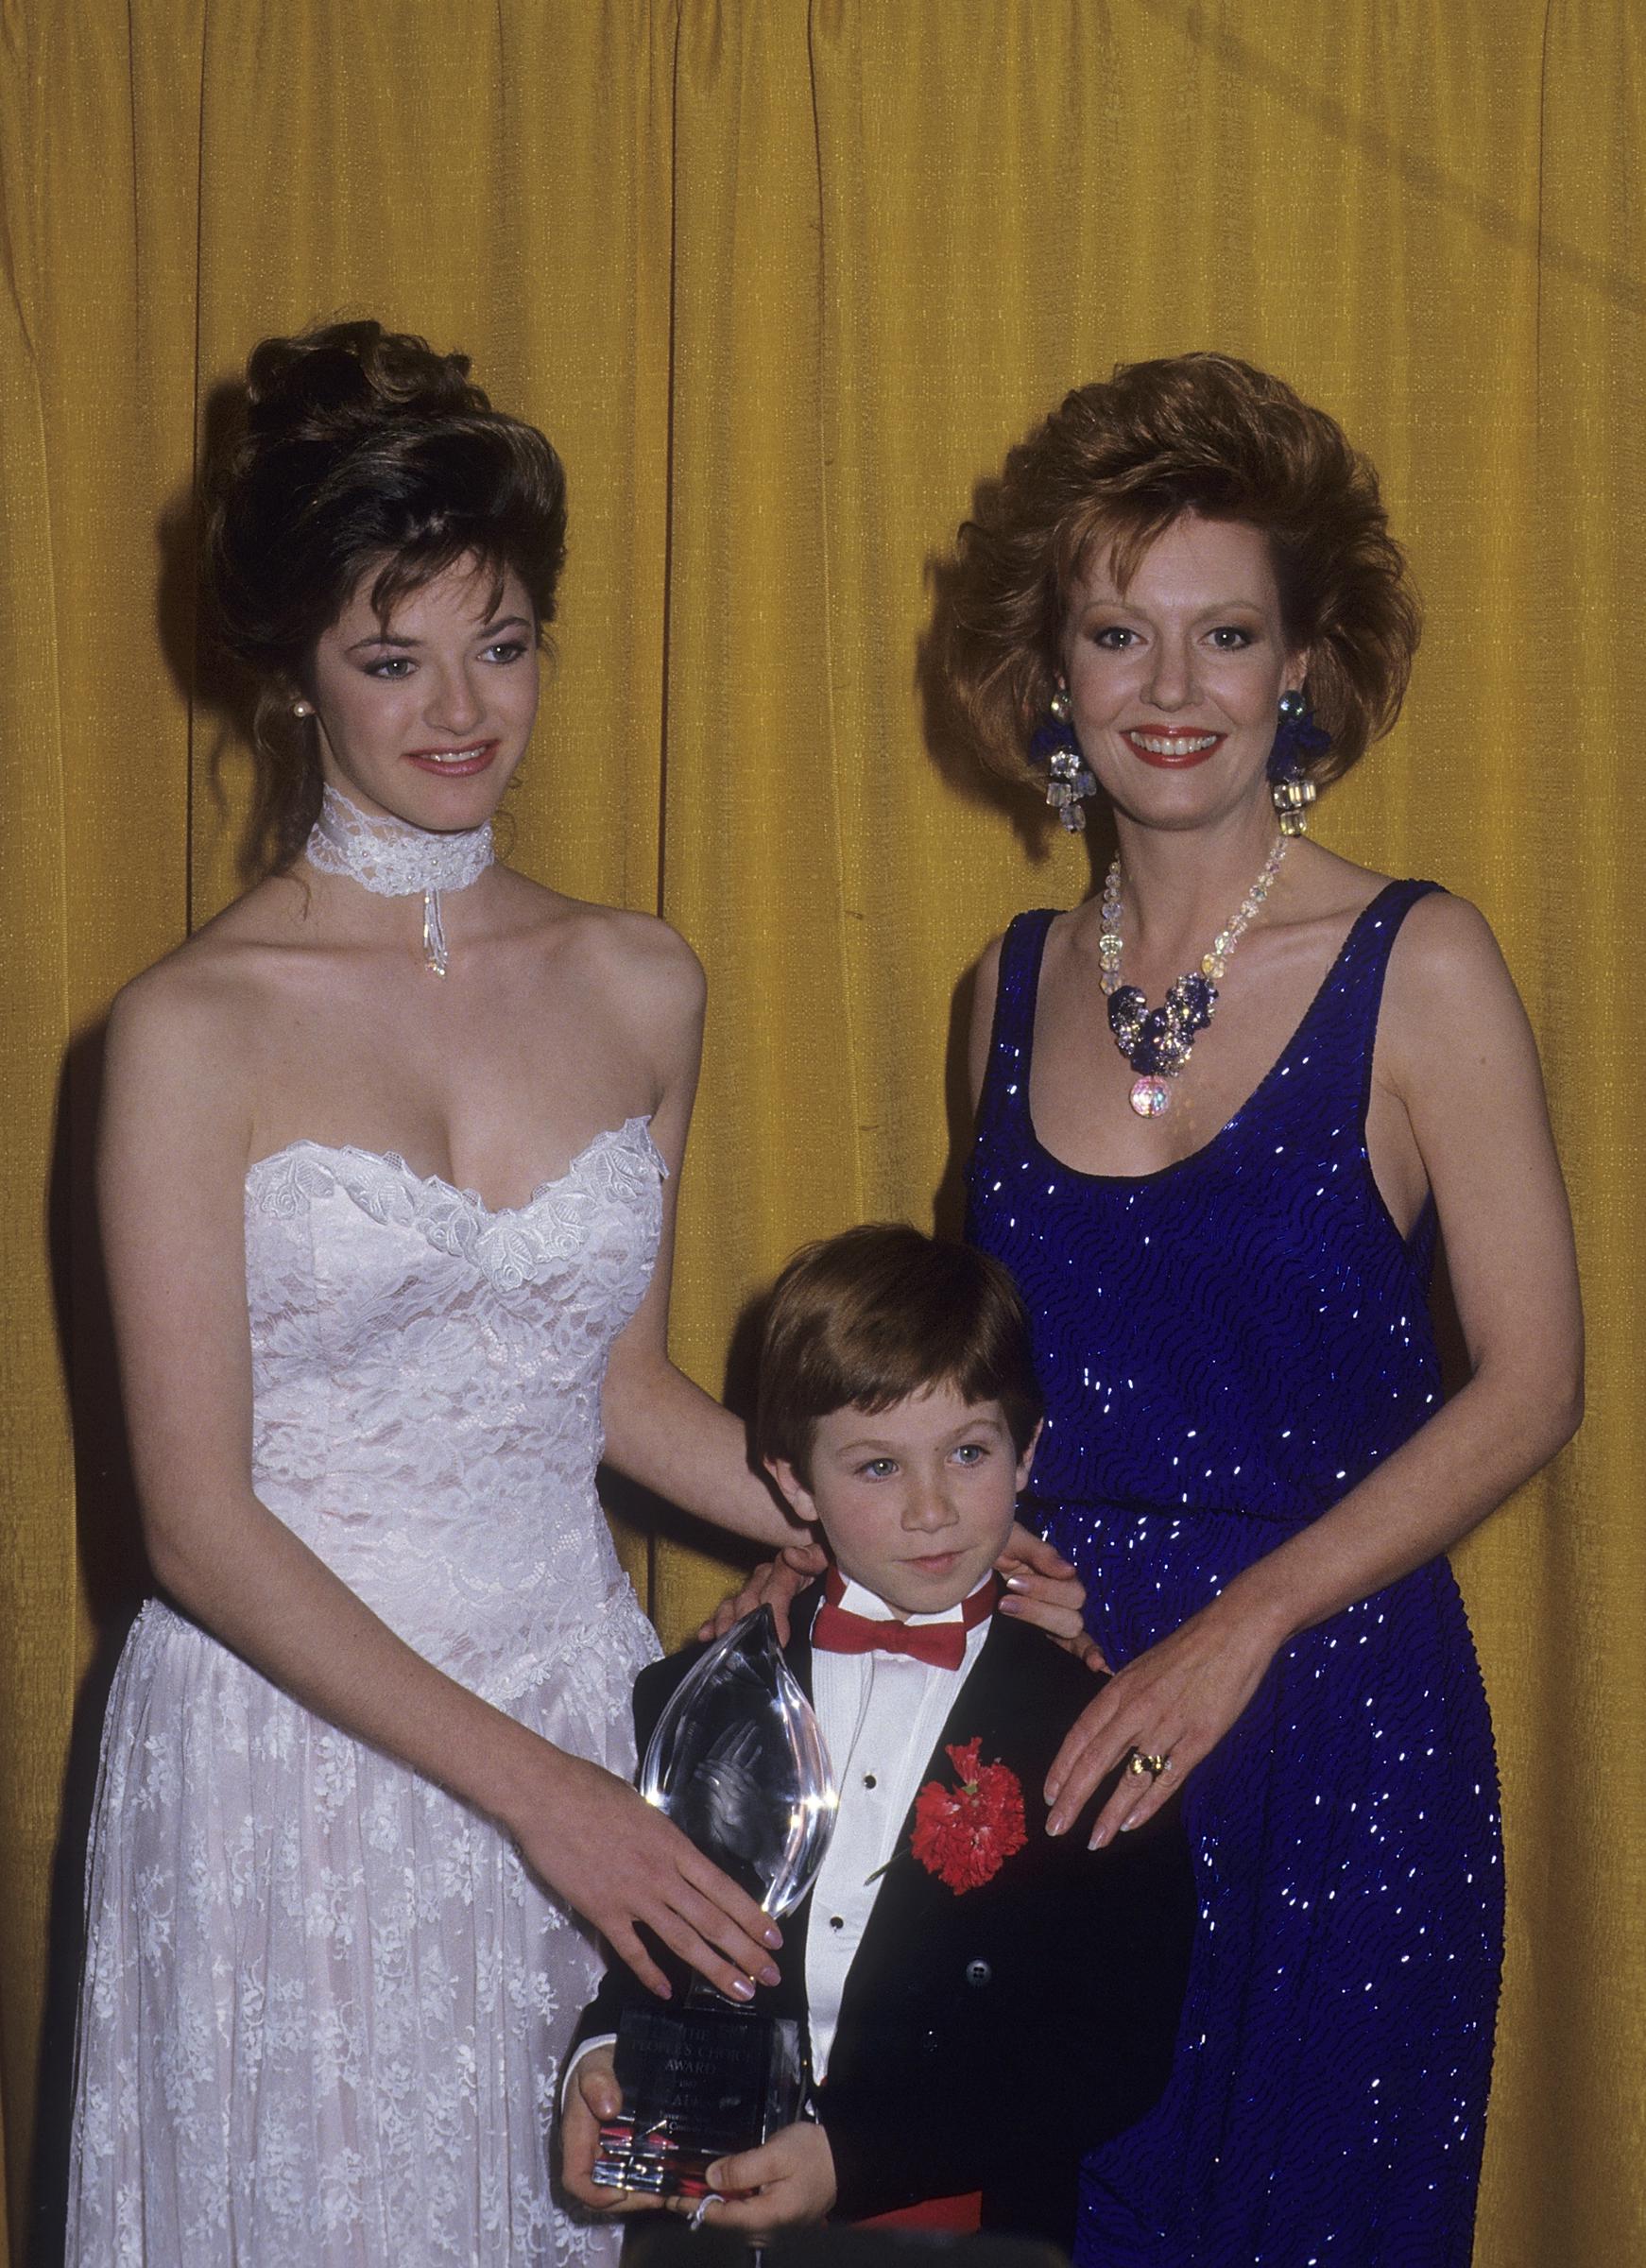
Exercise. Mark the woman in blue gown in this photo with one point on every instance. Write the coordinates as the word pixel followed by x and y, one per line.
pixel 1218 1137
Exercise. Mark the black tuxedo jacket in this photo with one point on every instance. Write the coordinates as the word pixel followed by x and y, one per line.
pixel 988 2038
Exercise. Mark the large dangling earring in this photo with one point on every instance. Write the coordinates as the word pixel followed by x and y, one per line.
pixel 1068 782
pixel 1298 737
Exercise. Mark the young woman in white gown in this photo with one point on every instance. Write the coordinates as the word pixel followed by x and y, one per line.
pixel 387 1179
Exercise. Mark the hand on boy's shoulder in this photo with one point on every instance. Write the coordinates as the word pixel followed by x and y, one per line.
pixel 1035 1693
pixel 1040 1692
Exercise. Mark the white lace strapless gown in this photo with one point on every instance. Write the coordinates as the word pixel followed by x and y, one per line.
pixel 324 2004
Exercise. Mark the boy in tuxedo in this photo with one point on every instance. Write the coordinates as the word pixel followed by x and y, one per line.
pixel 983 2003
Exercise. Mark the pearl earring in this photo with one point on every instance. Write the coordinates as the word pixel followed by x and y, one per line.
pixel 303 709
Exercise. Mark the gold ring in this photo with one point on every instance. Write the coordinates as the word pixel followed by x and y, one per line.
pixel 1138 1764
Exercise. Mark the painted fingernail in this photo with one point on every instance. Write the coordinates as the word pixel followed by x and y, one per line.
pixel 1016 1583
pixel 769 1975
pixel 740 1989
pixel 1011 1607
pixel 772 1935
pixel 1057 1825
pixel 1099 1837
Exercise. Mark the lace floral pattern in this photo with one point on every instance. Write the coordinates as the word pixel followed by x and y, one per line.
pixel 390 858
pixel 325 2004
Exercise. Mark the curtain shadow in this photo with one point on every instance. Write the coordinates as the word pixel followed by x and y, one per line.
pixel 948 1197
pixel 115 1578
pixel 1259 66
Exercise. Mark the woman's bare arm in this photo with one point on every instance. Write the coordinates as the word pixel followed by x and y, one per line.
pixel 1458 1051
pixel 660 1429
pixel 173 1153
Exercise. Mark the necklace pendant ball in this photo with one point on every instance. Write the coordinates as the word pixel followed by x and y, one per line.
pixel 1157 1042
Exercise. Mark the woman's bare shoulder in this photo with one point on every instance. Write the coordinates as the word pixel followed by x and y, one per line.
pixel 985 978
pixel 1318 885
pixel 196 1007
pixel 1449 1001
pixel 1445 957
pixel 620 950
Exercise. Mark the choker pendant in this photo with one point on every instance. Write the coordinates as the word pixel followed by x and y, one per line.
pixel 1157 1042
pixel 392 859
pixel 435 958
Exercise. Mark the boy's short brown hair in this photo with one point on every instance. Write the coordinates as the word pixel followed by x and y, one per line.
pixel 878 1315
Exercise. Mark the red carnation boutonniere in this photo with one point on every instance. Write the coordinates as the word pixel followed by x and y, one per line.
pixel 965 1834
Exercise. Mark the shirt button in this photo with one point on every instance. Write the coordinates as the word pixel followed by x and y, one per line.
pixel 978 1972
pixel 869 1781
pixel 836 1921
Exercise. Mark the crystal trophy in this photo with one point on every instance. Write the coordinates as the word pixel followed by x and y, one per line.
pixel 738 1764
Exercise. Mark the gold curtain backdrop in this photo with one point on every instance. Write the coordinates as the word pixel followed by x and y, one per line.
pixel 783 280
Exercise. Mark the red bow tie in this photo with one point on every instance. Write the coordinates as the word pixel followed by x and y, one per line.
pixel 837 1630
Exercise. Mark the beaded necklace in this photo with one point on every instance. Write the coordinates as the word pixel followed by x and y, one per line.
pixel 393 859
pixel 1157 1042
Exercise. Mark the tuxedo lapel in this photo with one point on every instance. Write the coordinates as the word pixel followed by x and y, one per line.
pixel 915 1908
pixel 910 1900
pixel 995 1704
pixel 798 1653
pixel 991 1699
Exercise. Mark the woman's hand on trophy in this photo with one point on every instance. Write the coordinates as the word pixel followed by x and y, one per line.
pixel 1043 1588
pixel 592 2097
pixel 621 1863
pixel 786 2183
pixel 775 1584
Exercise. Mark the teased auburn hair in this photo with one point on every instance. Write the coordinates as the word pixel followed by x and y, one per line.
pixel 356 452
pixel 878 1314
pixel 1116 465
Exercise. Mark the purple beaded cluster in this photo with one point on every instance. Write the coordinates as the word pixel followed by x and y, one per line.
pixel 1156 1041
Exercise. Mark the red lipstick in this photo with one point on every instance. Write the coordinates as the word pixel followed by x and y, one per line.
pixel 455 764
pixel 1173 749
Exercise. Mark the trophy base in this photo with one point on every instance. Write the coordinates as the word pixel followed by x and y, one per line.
pixel 698 2084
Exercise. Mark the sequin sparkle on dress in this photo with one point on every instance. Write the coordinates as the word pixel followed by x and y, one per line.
pixel 1227 1346
pixel 324 2003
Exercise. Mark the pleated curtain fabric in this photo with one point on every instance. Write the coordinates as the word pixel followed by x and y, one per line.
pixel 782 281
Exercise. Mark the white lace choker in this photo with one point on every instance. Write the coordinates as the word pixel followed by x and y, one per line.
pixel 394 860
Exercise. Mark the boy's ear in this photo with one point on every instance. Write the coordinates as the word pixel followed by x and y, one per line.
pixel 793 1489
pixel 1028 1457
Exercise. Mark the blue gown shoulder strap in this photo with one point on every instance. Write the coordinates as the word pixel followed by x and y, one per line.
pixel 1354 991
pixel 1005 1082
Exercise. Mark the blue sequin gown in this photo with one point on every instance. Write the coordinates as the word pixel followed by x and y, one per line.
pixel 1227 1346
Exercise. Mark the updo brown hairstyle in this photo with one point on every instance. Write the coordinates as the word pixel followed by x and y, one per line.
pixel 359 451
pixel 1115 466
